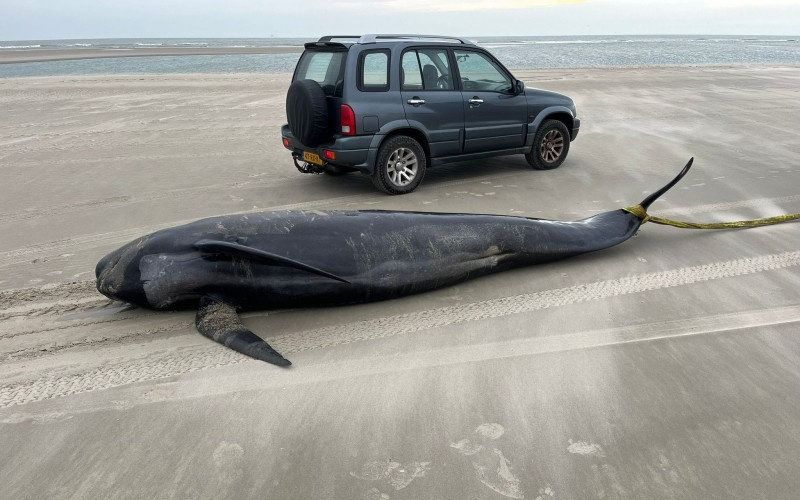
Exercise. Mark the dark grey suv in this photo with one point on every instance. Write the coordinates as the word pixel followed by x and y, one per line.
pixel 391 106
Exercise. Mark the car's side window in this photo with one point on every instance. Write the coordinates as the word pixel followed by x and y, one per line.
pixel 436 74
pixel 426 69
pixel 480 73
pixel 410 72
pixel 373 71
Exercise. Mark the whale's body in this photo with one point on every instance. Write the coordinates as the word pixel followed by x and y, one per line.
pixel 311 258
pixel 380 255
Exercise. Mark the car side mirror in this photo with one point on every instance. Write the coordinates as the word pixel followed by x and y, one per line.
pixel 519 87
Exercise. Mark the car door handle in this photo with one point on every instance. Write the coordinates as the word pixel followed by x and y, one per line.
pixel 416 101
pixel 475 101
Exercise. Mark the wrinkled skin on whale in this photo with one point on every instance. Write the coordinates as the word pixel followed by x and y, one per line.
pixel 293 259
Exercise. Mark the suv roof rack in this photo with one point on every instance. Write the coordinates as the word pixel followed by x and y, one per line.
pixel 374 38
pixel 328 38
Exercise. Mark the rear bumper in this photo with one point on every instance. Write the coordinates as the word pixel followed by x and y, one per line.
pixel 354 152
pixel 576 127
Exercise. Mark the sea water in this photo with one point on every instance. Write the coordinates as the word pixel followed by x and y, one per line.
pixel 514 52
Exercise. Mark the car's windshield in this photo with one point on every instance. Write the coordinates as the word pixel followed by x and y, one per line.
pixel 325 67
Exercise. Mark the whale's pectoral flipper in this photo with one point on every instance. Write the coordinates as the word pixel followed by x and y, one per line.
pixel 254 254
pixel 219 321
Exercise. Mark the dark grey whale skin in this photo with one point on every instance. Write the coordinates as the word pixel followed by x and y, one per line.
pixel 383 255
pixel 354 257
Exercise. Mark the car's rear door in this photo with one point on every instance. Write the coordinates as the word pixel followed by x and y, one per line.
pixel 431 100
pixel 495 116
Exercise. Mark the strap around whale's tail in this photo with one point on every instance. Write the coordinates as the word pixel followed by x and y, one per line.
pixel 640 211
pixel 219 321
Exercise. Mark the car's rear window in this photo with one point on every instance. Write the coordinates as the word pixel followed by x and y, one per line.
pixel 325 67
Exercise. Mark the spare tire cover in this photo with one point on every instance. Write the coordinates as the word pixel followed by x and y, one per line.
pixel 307 112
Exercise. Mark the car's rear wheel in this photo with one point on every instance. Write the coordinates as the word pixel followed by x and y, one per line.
pixel 400 165
pixel 550 146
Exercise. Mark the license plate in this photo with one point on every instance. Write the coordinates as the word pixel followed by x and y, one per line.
pixel 312 158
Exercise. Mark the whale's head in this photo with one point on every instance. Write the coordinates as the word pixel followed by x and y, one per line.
pixel 118 275
pixel 162 271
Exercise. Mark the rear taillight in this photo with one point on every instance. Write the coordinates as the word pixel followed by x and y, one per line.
pixel 286 143
pixel 348 120
pixel 328 154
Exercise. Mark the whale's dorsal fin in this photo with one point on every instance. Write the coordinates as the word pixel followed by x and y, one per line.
pixel 219 321
pixel 246 252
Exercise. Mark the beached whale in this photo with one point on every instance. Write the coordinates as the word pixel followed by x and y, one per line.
pixel 267 260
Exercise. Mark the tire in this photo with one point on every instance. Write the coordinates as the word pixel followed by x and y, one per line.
pixel 336 170
pixel 307 113
pixel 550 146
pixel 398 158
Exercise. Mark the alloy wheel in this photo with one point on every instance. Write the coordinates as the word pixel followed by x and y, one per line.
pixel 552 146
pixel 402 166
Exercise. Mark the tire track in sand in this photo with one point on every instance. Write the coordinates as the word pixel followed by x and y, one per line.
pixel 189 359
pixel 51 326
pixel 126 336
pixel 38 296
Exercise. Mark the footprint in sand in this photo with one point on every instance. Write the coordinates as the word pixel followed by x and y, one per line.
pixel 584 448
pixel 605 480
pixel 491 466
pixel 228 462
pixel 545 493
pixel 391 474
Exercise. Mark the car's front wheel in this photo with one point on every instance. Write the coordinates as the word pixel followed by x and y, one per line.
pixel 550 146
pixel 400 165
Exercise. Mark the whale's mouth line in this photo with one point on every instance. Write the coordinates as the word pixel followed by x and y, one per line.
pixel 103 281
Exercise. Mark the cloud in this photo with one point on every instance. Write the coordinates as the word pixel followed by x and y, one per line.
pixel 467 5
pixel 727 4
pixel 44 19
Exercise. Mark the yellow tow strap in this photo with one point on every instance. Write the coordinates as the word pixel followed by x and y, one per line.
pixel 640 212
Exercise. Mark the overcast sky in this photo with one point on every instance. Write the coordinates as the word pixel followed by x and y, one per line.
pixel 43 19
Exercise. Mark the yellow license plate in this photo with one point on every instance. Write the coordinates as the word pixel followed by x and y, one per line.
pixel 312 158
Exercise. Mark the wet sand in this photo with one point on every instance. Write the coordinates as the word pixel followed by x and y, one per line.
pixel 40 55
pixel 665 367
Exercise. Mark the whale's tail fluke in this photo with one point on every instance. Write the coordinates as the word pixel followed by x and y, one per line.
pixel 653 197
pixel 219 321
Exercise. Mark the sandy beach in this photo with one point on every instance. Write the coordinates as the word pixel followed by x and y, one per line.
pixel 40 55
pixel 665 367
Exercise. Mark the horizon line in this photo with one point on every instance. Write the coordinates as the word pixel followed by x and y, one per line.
pixel 308 37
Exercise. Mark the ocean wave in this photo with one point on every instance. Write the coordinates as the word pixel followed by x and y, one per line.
pixel 517 43
pixel 520 43
pixel 769 40
pixel 19 47
pixel 149 44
